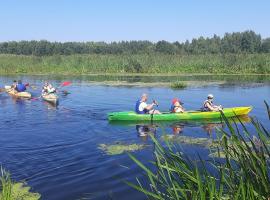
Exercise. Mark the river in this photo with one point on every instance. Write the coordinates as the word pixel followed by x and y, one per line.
pixel 56 149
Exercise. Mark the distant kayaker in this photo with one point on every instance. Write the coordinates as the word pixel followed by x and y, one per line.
pixel 176 106
pixel 208 104
pixel 20 87
pixel 14 84
pixel 143 108
pixel 48 89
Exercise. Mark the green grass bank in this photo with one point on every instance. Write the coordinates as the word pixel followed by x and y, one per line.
pixel 136 64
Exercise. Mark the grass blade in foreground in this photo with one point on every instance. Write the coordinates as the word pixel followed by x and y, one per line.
pixel 243 174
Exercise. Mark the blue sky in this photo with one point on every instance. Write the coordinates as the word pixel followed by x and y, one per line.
pixel 116 20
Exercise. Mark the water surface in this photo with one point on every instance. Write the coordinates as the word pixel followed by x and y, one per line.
pixel 56 149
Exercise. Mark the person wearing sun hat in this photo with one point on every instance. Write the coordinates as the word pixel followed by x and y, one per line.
pixel 176 106
pixel 208 104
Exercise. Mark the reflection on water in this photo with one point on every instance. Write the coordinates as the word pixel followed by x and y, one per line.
pixel 208 126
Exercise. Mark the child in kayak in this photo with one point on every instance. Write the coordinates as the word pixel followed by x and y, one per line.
pixel 142 107
pixel 208 104
pixel 14 84
pixel 176 106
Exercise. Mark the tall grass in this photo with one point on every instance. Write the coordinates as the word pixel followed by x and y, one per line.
pixel 140 63
pixel 15 191
pixel 241 170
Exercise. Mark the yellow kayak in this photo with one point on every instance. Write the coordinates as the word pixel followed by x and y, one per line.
pixel 51 98
pixel 16 94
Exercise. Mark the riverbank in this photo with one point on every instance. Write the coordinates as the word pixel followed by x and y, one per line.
pixel 139 64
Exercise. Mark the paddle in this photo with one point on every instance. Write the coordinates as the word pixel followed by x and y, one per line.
pixel 66 83
pixel 152 115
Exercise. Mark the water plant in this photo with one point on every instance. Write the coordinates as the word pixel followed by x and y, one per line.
pixel 241 169
pixel 115 149
pixel 178 85
pixel 10 190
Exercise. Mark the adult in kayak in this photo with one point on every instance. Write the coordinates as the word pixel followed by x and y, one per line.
pixel 142 107
pixel 208 104
pixel 48 89
pixel 20 87
pixel 176 106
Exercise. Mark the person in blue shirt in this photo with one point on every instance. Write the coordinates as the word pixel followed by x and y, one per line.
pixel 20 87
pixel 142 107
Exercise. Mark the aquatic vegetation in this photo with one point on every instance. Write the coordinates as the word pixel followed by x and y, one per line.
pixel 115 149
pixel 15 191
pixel 178 85
pixel 239 169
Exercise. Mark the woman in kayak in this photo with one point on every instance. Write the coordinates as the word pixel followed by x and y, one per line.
pixel 142 107
pixel 208 104
pixel 176 106
pixel 48 89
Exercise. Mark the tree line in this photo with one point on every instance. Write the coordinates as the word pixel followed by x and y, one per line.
pixel 237 42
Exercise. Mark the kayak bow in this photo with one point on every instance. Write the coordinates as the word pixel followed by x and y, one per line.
pixel 189 115
pixel 16 94
pixel 51 98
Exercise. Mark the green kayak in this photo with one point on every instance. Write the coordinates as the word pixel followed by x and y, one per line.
pixel 189 115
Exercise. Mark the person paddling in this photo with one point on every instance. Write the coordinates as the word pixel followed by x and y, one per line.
pixel 48 89
pixel 208 104
pixel 142 107
pixel 176 106
pixel 20 87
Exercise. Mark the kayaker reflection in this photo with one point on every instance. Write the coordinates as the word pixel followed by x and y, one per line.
pixel 210 127
pixel 177 106
pixel 144 130
pixel 142 107
pixel 177 129
pixel 48 89
pixel 208 104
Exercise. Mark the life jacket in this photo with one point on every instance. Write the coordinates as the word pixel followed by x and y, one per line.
pixel 205 108
pixel 138 103
pixel 20 87
pixel 172 108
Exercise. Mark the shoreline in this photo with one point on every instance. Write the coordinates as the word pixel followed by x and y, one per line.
pixel 132 74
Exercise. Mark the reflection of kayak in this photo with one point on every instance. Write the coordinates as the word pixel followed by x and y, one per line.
pixel 14 93
pixel 189 115
pixel 51 98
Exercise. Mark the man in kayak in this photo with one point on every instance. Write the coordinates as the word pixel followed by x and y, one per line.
pixel 142 107
pixel 176 106
pixel 48 89
pixel 208 104
pixel 20 87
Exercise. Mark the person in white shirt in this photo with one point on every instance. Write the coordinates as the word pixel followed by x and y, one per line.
pixel 143 108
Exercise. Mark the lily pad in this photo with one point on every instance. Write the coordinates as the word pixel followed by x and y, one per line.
pixel 115 149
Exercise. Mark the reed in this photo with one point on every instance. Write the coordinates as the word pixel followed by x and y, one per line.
pixel 178 85
pixel 136 64
pixel 240 171
pixel 10 190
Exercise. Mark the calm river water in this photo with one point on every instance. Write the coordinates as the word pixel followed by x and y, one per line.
pixel 55 150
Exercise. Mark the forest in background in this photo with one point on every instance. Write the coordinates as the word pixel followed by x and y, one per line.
pixel 238 42
pixel 235 53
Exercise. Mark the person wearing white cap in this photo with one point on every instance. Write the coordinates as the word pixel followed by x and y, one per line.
pixel 208 104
